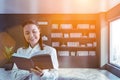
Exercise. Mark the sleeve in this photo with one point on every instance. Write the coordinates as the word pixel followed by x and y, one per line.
pixel 18 74
pixel 52 73
pixel 54 58
pixel 18 52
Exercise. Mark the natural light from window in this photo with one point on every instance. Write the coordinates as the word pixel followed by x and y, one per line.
pixel 115 42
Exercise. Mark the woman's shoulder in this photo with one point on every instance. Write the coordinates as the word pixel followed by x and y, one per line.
pixel 21 48
pixel 50 50
pixel 20 51
pixel 49 47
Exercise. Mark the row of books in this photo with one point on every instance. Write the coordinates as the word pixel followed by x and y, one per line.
pixel 70 26
pixel 77 53
pixel 73 35
pixel 74 44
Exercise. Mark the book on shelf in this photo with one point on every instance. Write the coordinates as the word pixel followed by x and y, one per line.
pixel 43 61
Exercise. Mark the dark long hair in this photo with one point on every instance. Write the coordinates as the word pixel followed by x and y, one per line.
pixel 40 40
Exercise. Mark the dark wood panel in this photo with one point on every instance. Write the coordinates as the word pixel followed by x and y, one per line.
pixel 76 48
pixel 78 62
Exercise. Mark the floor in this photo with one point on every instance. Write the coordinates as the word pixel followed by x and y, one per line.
pixel 75 74
pixel 109 75
pixel 85 74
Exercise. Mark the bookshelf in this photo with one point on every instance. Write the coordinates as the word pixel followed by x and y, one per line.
pixel 75 40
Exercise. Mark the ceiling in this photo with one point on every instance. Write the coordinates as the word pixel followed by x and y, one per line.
pixel 56 6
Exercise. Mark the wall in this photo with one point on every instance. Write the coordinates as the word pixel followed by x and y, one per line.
pixel 103 40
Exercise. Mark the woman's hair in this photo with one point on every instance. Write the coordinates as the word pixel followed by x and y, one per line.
pixel 40 40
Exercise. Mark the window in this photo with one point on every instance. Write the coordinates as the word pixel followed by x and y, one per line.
pixel 115 42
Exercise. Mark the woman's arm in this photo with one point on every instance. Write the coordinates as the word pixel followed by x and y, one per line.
pixel 18 74
pixel 53 54
pixel 49 73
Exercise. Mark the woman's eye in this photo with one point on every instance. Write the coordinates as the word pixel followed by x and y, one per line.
pixel 27 33
pixel 34 31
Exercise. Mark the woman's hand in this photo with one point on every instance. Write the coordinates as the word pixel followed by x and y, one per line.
pixel 37 71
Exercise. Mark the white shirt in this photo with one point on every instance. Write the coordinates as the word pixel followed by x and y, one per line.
pixel 29 52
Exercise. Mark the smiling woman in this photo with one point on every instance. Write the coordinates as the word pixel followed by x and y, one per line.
pixel 35 47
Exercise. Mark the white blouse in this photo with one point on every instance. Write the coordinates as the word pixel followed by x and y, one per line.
pixel 29 52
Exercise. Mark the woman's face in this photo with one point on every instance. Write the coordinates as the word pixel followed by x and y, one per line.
pixel 31 34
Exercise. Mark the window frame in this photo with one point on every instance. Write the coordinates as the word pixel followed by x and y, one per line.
pixel 109 42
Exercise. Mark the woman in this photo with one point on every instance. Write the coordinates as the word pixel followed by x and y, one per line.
pixel 34 47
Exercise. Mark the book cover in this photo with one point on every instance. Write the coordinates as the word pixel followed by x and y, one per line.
pixel 43 61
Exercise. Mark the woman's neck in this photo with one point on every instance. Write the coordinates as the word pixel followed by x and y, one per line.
pixel 33 45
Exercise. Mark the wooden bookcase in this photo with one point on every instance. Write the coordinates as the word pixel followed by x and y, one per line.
pixel 75 41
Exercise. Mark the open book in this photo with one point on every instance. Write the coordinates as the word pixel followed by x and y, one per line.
pixel 43 61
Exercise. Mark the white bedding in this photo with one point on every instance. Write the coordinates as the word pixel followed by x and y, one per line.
pixel 5 75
